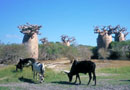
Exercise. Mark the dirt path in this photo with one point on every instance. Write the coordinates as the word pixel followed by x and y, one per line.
pixel 45 86
pixel 63 64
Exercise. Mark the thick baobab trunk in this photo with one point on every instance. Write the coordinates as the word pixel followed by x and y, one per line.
pixel 119 37
pixel 103 41
pixel 100 41
pixel 31 43
pixel 67 44
pixel 107 39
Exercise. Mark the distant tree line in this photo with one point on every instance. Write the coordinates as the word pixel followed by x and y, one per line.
pixel 10 53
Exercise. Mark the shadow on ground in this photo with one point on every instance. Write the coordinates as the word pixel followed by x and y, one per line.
pixel 65 83
pixel 27 80
pixel 125 80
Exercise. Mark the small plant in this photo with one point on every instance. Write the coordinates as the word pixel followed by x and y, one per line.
pixel 103 53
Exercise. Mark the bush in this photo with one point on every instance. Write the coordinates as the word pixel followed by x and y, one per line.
pixel 71 53
pixel 103 53
pixel 120 50
pixel 10 53
pixel 84 52
pixel 95 53
pixel 51 51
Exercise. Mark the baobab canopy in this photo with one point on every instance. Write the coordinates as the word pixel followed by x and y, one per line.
pixel 29 28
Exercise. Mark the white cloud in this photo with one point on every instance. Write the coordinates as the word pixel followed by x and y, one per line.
pixel 13 36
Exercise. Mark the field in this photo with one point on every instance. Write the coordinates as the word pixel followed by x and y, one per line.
pixel 110 75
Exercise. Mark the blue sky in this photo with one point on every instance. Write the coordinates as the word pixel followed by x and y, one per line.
pixel 70 17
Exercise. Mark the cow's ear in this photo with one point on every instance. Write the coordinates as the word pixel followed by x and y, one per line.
pixel 75 62
pixel 20 59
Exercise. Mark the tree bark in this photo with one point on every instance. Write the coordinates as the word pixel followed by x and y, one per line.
pixel 31 44
pixel 103 41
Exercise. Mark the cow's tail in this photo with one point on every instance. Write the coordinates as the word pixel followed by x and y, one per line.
pixel 94 75
pixel 42 69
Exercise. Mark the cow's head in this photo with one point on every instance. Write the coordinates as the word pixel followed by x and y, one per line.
pixel 70 76
pixel 19 65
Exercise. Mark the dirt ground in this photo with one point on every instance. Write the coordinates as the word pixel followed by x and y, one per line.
pixel 63 64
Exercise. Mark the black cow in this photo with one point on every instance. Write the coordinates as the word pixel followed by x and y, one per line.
pixel 25 62
pixel 82 67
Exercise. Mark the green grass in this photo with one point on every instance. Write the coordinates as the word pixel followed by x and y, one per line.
pixel 11 88
pixel 8 74
pixel 119 70
pixel 51 76
pixel 5 88
pixel 115 76
pixel 120 75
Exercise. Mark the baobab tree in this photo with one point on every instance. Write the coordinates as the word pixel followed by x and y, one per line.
pixel 120 33
pixel 104 36
pixel 30 39
pixel 67 40
pixel 44 40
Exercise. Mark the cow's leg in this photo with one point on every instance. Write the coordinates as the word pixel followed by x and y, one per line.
pixel 90 77
pixel 41 78
pixel 21 69
pixel 33 74
pixel 36 76
pixel 16 68
pixel 79 78
pixel 94 77
pixel 76 79
pixel 32 67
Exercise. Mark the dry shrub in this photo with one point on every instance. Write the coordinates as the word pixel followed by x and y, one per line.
pixel 10 53
pixel 103 53
pixel 84 53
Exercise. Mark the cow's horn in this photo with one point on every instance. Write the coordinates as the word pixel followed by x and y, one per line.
pixel 65 71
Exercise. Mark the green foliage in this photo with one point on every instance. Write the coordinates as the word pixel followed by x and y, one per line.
pixel 95 52
pixel 120 50
pixel 52 51
pixel 120 44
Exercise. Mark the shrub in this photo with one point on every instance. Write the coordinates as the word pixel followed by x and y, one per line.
pixel 10 53
pixel 103 53
pixel 51 51
pixel 120 50
pixel 95 53
pixel 71 53
pixel 84 52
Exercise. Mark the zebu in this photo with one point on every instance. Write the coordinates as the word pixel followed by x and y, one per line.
pixel 38 68
pixel 25 63
pixel 82 67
